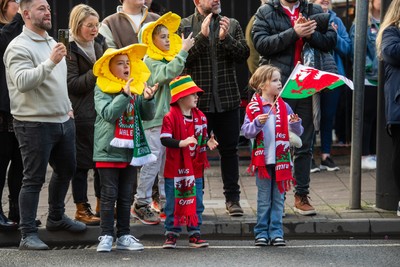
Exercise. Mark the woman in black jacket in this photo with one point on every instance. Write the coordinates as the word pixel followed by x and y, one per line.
pixel 388 49
pixel 86 46
pixel 10 26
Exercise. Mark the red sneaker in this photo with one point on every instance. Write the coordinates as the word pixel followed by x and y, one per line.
pixel 195 241
pixel 170 242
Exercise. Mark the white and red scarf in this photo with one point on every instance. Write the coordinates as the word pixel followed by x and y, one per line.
pixel 185 168
pixel 283 168
pixel 129 133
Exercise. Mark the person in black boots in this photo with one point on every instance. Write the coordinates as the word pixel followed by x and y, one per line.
pixel 10 26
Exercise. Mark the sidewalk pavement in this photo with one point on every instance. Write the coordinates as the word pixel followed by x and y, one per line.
pixel 330 194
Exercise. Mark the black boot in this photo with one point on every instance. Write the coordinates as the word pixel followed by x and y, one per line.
pixel 5 224
pixel 13 213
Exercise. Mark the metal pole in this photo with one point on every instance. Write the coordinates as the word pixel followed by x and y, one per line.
pixel 360 47
pixel 386 190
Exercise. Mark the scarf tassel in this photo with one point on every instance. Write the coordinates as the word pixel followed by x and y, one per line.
pixel 122 143
pixel 262 171
pixel 139 161
pixel 285 185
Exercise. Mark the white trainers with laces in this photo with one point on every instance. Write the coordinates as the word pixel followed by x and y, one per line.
pixel 129 242
pixel 105 244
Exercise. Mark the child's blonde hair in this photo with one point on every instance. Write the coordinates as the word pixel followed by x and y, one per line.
pixel 262 75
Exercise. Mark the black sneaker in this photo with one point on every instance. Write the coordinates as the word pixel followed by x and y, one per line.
pixel 328 164
pixel 314 167
pixel 278 242
pixel 261 242
pixel 233 208
pixel 66 224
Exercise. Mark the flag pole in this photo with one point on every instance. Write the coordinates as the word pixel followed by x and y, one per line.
pixel 283 88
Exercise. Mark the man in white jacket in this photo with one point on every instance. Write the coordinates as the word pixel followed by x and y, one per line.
pixel 36 74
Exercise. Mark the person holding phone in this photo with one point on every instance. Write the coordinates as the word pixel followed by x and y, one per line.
pixel 45 128
pixel 219 44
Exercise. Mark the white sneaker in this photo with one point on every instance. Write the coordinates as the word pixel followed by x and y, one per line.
pixel 398 209
pixel 368 163
pixel 129 242
pixel 105 244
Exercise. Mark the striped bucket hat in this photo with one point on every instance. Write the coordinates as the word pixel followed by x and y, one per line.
pixel 183 86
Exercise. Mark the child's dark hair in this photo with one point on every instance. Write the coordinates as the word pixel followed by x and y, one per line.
pixel 158 29
pixel 262 75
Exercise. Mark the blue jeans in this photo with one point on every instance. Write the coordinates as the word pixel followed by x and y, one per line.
pixel 116 186
pixel 170 205
pixel 42 144
pixel 270 204
pixel 226 127
pixel 302 156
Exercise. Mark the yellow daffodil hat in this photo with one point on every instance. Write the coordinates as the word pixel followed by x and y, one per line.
pixel 111 84
pixel 171 21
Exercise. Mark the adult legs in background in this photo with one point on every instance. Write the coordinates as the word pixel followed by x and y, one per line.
pixel 226 127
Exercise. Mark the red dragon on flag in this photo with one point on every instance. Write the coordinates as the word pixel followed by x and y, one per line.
pixel 305 81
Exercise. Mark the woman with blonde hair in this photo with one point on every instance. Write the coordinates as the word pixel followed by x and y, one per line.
pixel 368 160
pixel 10 26
pixel 388 49
pixel 86 46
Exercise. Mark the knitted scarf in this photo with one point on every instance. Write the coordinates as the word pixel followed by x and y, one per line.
pixel 129 133
pixel 184 168
pixel 282 165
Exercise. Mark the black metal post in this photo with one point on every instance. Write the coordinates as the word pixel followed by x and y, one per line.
pixel 358 103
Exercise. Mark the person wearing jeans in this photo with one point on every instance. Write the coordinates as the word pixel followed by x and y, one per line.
pixel 170 205
pixel 41 144
pixel 43 121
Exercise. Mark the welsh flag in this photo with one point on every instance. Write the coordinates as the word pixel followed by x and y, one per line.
pixel 305 81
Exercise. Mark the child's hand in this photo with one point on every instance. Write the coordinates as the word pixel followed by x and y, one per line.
pixel 188 42
pixel 212 143
pixel 149 92
pixel 127 87
pixel 188 141
pixel 262 118
pixel 294 118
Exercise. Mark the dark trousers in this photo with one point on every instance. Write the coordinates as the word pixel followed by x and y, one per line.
pixel 10 152
pixel 80 185
pixel 226 128
pixel 116 186
pixel 302 156
pixel 329 104
pixel 369 121
pixel 42 144
pixel 395 129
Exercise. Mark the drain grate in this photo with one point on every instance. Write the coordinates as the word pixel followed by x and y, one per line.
pixel 72 247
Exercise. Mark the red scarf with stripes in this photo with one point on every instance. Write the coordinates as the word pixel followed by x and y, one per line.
pixel 283 168
pixel 185 167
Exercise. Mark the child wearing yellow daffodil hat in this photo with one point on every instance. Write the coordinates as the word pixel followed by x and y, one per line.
pixel 121 98
pixel 166 57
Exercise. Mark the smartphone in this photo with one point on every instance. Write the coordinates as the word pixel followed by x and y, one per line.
pixel 186 31
pixel 63 37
